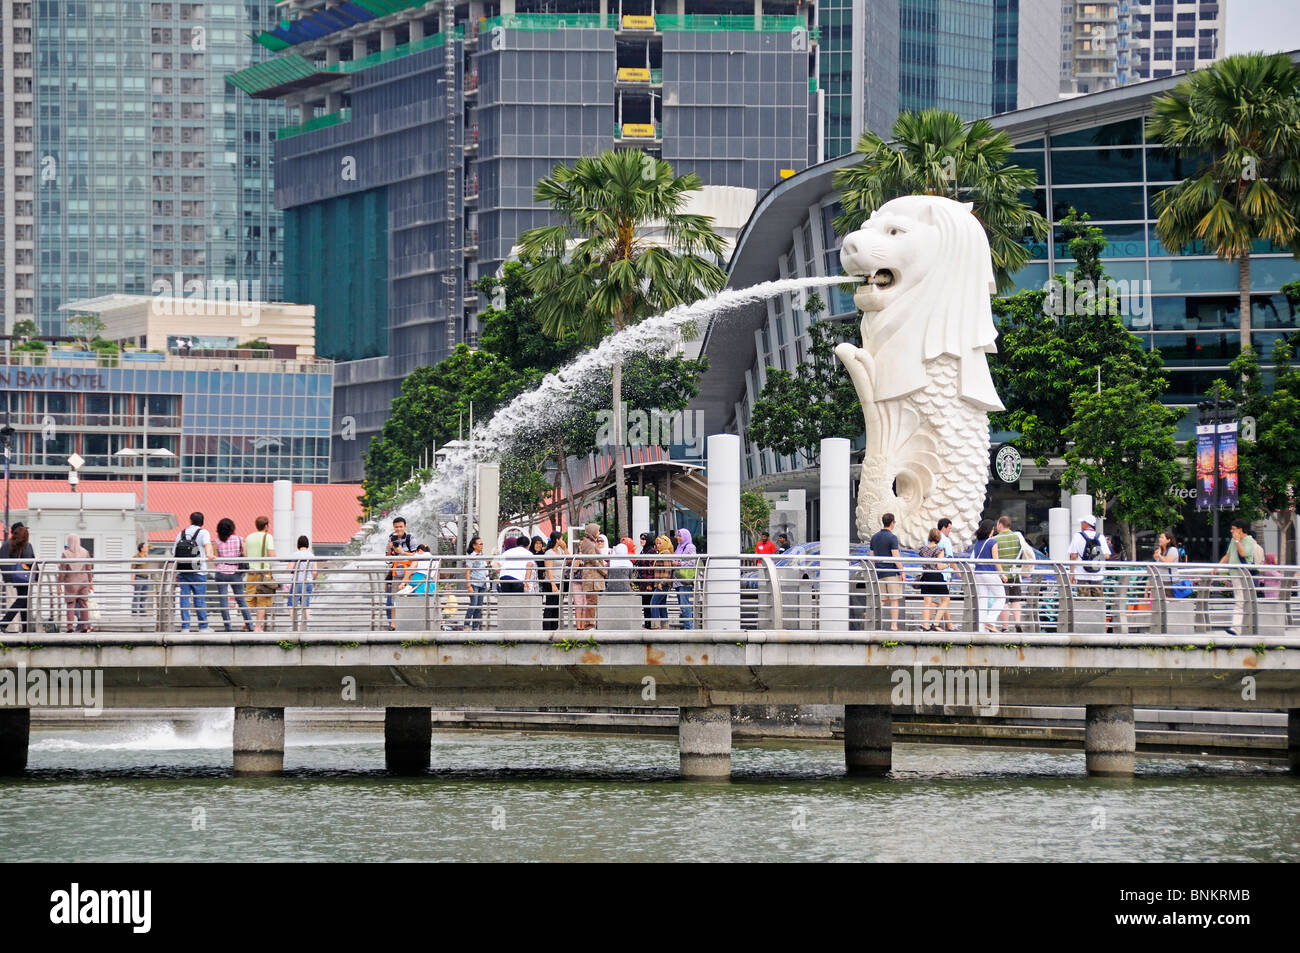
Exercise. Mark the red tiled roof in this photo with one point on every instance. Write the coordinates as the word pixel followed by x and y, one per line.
pixel 335 507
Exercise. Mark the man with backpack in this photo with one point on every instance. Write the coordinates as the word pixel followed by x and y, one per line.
pixel 1090 548
pixel 192 545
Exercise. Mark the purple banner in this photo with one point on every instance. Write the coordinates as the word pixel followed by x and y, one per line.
pixel 1205 495
pixel 1228 466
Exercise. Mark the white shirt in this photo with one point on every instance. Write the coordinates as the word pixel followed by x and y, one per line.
pixel 302 566
pixel 202 539
pixel 1078 543
pixel 515 562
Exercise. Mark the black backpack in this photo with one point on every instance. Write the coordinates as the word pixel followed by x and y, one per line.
pixel 186 552
pixel 1091 548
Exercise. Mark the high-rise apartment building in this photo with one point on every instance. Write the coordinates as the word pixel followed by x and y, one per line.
pixel 1107 43
pixel 17 155
pixel 151 170
pixel 415 145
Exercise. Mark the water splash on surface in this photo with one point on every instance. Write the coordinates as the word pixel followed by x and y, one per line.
pixel 558 391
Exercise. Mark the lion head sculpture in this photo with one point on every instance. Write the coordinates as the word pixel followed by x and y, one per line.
pixel 928 280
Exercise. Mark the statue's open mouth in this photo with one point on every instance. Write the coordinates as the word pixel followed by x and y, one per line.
pixel 884 278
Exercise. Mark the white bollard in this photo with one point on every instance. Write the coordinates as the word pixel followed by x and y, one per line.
pixel 833 577
pixel 282 517
pixel 722 596
pixel 489 502
pixel 1080 506
pixel 1059 534
pixel 640 517
pixel 302 517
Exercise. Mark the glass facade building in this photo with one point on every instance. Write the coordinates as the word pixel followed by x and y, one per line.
pixel 945 54
pixel 239 421
pixel 150 164
pixel 1185 305
pixel 408 167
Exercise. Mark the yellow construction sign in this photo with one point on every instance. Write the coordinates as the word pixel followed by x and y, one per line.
pixel 638 130
pixel 638 22
pixel 633 74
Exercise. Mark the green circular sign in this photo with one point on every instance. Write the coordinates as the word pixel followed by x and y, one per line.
pixel 1008 464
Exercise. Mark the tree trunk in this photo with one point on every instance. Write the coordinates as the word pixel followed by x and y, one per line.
pixel 620 480
pixel 1243 269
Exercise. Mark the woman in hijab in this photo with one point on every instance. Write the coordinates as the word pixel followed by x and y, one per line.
pixel 17 560
pixel 685 573
pixel 643 576
pixel 75 577
pixel 592 580
pixel 662 582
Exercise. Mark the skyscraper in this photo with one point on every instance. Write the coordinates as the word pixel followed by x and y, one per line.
pixel 152 170
pixel 17 251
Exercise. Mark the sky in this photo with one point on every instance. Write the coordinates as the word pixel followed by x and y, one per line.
pixel 1268 25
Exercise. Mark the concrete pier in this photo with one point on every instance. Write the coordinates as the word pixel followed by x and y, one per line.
pixel 259 741
pixel 704 741
pixel 1109 740
pixel 16 728
pixel 868 739
pixel 1293 739
pixel 408 739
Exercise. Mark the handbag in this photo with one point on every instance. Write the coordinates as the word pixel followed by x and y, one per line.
pixel 92 610
pixel 1182 588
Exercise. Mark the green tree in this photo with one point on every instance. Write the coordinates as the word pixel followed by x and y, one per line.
pixel 1239 120
pixel 796 409
pixel 1053 342
pixel 934 153
pixel 514 331
pixel 622 249
pixel 85 328
pixel 1122 442
pixel 24 331
pixel 755 512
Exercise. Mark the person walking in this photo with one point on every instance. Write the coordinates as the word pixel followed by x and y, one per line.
pixel 228 575
pixel 684 577
pixel 765 546
pixel 552 575
pixel 476 581
pixel 140 579
pixel 949 553
pixel 260 580
pixel 934 588
pixel 305 571
pixel 782 543
pixel 620 566
pixel 1089 547
pixel 516 566
pixel 18 563
pixel 1012 545
pixel 988 584
pixel 643 577
pixel 661 580
pixel 592 574
pixel 1242 551
pixel 75 575
pixel 885 544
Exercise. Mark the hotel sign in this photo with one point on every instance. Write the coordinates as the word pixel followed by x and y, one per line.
pixel 22 378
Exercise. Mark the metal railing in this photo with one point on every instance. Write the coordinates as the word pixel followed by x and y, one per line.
pixel 920 599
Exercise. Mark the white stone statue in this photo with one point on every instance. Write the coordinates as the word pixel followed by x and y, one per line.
pixel 922 374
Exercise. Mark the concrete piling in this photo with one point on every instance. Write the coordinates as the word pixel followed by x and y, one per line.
pixel 15 732
pixel 868 739
pixel 704 741
pixel 259 741
pixel 1109 740
pixel 408 739
pixel 1293 739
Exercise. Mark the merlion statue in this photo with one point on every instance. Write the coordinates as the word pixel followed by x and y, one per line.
pixel 922 374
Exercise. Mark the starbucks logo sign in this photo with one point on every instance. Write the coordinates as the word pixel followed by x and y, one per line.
pixel 1008 464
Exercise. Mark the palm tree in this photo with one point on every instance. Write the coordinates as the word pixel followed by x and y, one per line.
pixel 1240 121
pixel 934 153
pixel 622 249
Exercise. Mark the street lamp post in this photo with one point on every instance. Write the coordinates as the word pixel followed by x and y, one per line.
pixel 145 453
pixel 1213 413
pixel 6 435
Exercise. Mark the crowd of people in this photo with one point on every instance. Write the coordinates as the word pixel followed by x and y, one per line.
pixel 660 566
pixel 241 573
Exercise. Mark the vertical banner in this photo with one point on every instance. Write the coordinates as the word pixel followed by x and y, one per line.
pixel 1228 465
pixel 1205 495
